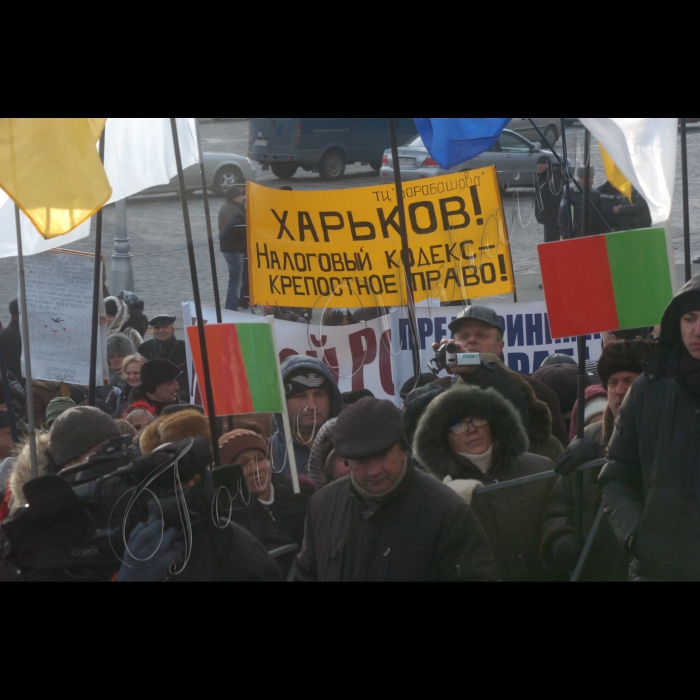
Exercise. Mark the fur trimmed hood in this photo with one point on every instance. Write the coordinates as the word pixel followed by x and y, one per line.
pixel 120 321
pixel 22 469
pixel 430 446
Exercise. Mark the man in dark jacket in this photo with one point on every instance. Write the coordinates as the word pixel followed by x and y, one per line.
pixel 651 481
pixel 11 342
pixel 159 385
pixel 165 346
pixel 633 215
pixel 619 366
pixel 388 521
pixel 313 398
pixel 548 193
pixel 595 224
pixel 233 243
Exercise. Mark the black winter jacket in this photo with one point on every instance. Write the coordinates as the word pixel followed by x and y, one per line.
pixel 634 214
pixel 11 343
pixel 548 194
pixel 595 225
pixel 651 480
pixel 422 532
pixel 232 239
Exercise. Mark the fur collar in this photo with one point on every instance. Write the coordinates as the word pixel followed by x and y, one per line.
pixel 430 445
pixel 22 469
pixel 122 316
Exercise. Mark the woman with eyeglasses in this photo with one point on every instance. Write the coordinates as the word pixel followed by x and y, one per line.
pixel 470 437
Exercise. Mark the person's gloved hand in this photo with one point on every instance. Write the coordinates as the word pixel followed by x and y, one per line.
pixel 576 454
pixel 143 542
pixel 566 552
pixel 463 487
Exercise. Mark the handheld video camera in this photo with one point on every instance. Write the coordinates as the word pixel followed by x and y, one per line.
pixel 447 356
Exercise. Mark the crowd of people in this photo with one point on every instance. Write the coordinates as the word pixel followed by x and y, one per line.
pixel 473 479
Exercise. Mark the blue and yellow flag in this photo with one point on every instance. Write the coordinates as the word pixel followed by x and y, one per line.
pixel 50 167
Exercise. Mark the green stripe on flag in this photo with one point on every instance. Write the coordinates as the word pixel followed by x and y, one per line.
pixel 260 360
pixel 640 274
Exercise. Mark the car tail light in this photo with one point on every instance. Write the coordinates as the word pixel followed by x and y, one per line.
pixel 298 133
pixel 429 163
pixel 385 159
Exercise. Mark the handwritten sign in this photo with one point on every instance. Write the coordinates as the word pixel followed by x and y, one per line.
pixel 343 247
pixel 59 308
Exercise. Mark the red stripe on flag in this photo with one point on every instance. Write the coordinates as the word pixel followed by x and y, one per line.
pixel 578 286
pixel 227 369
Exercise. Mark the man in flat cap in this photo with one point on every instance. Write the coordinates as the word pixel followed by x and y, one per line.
pixel 159 385
pixel 165 346
pixel 388 521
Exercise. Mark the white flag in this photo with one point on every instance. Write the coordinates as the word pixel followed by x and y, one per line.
pixel 644 149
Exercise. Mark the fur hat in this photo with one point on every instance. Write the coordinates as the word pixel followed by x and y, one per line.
pixel 172 428
pixel 77 430
pixel 563 380
pixel 158 371
pixel 323 447
pixel 119 345
pixel 430 445
pixel 235 443
pixel 623 356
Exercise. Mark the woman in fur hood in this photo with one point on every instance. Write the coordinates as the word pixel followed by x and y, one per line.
pixel 469 437
pixel 118 320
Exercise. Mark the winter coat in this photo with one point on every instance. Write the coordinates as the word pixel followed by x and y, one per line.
pixel 634 214
pixel 121 323
pixel 651 482
pixel 511 517
pixel 423 531
pixel 117 401
pixel 278 442
pixel 595 225
pixel 548 194
pixel 610 197
pixel 534 414
pixel 172 349
pixel 232 237
pixel 22 469
pixel 11 344
pixel 606 561
pixel 279 524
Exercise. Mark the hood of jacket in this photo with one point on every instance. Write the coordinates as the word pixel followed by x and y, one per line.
pixel 430 445
pixel 668 348
pixel 122 316
pixel 22 469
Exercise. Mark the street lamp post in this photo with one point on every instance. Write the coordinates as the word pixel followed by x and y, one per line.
pixel 122 277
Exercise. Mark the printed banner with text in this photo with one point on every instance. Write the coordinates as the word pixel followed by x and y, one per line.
pixel 342 248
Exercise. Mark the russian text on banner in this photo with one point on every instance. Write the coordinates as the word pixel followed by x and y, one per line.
pixel 607 282
pixel 342 248
pixel 243 367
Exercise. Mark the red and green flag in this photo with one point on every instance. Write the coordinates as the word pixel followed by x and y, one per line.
pixel 607 282
pixel 243 367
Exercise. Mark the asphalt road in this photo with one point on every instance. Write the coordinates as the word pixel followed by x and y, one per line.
pixel 161 271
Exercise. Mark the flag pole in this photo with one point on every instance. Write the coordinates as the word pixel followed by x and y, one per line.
pixel 197 299
pixel 25 348
pixel 285 412
pixel 405 252
pixel 581 341
pixel 8 398
pixel 207 216
pixel 96 288
pixel 686 210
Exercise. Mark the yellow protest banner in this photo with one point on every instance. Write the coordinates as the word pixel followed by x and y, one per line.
pixel 342 248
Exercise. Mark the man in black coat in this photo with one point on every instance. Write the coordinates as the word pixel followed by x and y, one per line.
pixel 165 346
pixel 633 215
pixel 548 194
pixel 11 342
pixel 233 243
pixel 388 521
pixel 651 480
pixel 595 223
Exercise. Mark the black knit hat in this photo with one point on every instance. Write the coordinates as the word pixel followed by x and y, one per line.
pixel 159 371
pixel 563 380
pixel 411 384
pixel 623 356
pixel 368 427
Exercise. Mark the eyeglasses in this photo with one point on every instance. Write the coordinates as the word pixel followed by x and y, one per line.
pixel 464 425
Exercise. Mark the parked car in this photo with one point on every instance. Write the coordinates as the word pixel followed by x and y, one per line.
pixel 324 146
pixel 549 127
pixel 222 170
pixel 515 159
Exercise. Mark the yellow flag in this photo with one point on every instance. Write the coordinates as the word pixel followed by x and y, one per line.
pixel 615 175
pixel 52 170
